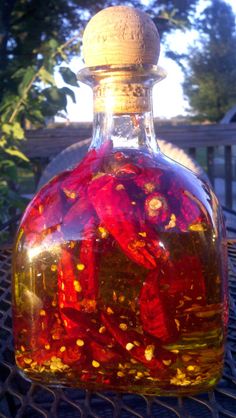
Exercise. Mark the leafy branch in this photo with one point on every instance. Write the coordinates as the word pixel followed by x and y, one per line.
pixel 36 97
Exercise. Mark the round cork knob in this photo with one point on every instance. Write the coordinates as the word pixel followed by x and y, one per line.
pixel 120 35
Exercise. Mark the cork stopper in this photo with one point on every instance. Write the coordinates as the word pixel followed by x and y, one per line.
pixel 120 35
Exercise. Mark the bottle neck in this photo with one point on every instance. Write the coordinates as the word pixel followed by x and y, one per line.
pixel 129 130
pixel 123 105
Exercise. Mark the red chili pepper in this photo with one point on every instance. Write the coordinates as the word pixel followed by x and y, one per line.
pixel 88 261
pixel 77 274
pixel 123 221
pixel 149 180
pixel 76 217
pixel 190 212
pixel 67 295
pixel 138 346
pixel 45 213
pixel 84 171
pixel 130 170
pixel 154 313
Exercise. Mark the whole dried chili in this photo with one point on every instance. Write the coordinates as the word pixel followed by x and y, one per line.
pixel 115 210
pixel 88 264
pixel 66 276
pixel 84 171
pixel 76 217
pixel 78 274
pixel 155 316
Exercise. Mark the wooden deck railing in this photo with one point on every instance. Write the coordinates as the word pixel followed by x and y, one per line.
pixel 44 144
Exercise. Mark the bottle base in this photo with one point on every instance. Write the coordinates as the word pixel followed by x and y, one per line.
pixel 152 388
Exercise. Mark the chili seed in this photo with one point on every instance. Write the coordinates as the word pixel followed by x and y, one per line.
pixel 102 330
pixel 129 346
pixel 149 352
pixel 120 187
pixel 110 311
pixel 28 360
pixel 123 326
pixel 40 209
pixel 77 286
pixel 177 324
pixel 80 267
pixel 166 362
pixel 53 267
pixel 120 374
pixel 95 364
pixel 142 234
pixel 149 187
pixel 80 342
pixel 42 312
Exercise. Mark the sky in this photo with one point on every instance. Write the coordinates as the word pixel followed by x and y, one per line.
pixel 168 99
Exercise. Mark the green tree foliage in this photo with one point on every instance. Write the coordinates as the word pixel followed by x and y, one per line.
pixel 35 37
pixel 210 79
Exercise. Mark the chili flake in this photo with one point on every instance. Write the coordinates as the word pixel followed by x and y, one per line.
pixel 77 286
pixel 95 364
pixel 80 267
pixel 102 330
pixel 42 312
pixel 120 374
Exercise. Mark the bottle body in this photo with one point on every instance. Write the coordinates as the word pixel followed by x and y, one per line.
pixel 119 277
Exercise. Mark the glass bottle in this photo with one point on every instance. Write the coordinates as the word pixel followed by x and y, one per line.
pixel 119 266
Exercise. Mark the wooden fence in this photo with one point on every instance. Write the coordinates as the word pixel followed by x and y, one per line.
pixel 44 144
